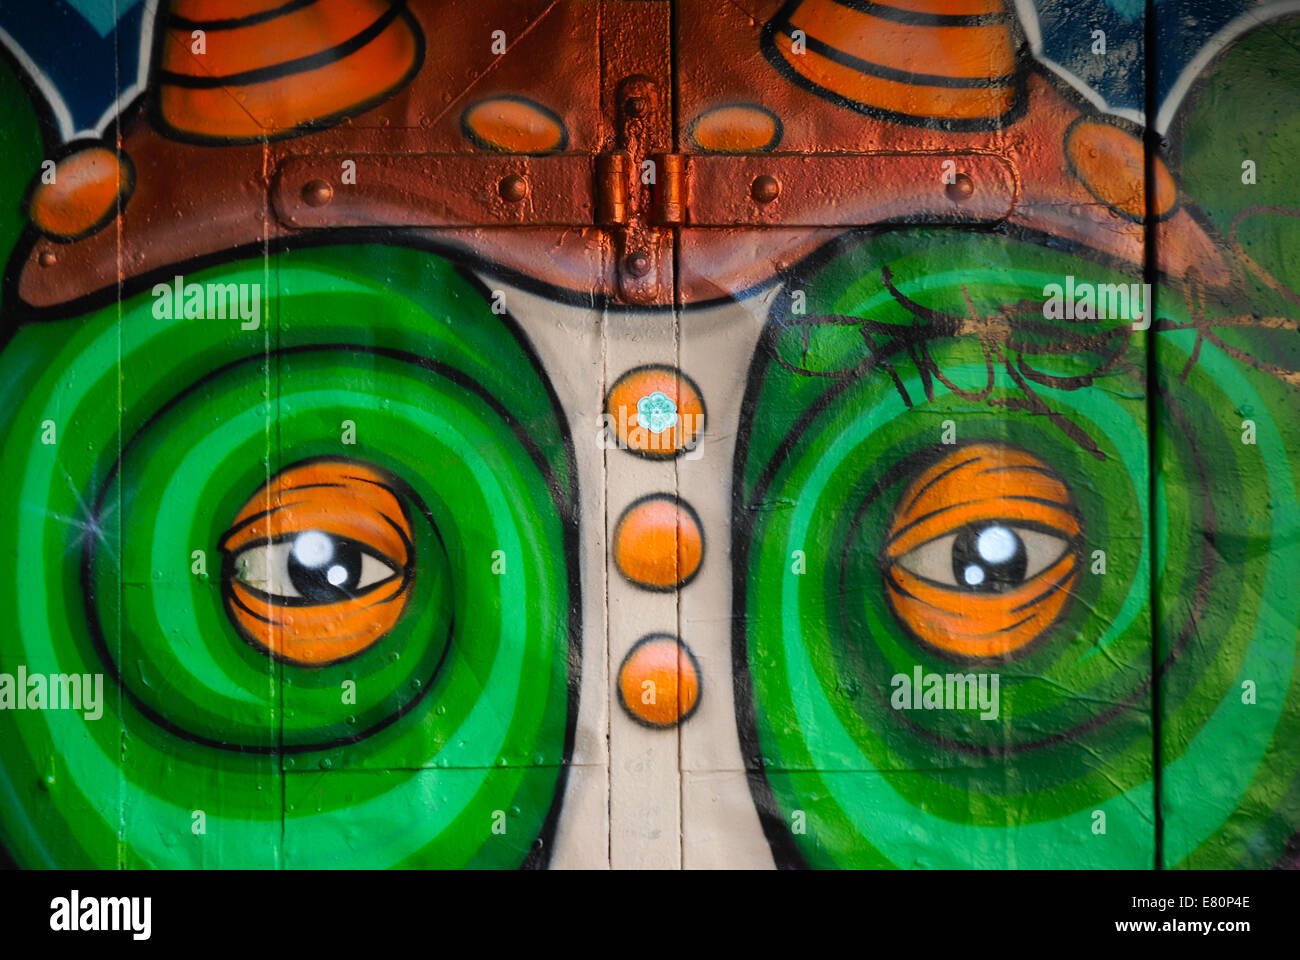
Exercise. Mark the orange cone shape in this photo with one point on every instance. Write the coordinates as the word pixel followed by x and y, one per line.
pixel 229 71
pixel 952 64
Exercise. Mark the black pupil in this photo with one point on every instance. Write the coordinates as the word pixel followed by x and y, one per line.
pixel 324 568
pixel 988 557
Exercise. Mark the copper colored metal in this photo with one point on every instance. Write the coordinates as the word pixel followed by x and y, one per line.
pixel 638 108
pixel 638 263
pixel 670 189
pixel 765 188
pixel 48 258
pixel 868 188
pixel 961 188
pixel 587 208
pixel 513 188
pixel 644 263
pixel 611 188
pixel 438 190
pixel 317 193
pixel 636 53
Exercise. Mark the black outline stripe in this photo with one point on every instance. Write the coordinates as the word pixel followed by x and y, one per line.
pixel 151 103
pixel 177 22
pixel 916 18
pixel 1064 507
pixel 1045 471
pixel 288 68
pixel 1062 582
pixel 566 508
pixel 778 129
pixel 245 524
pixel 406 573
pixel 834 54
pixel 483 143
pixel 1025 65
pixel 902 591
pixel 920 493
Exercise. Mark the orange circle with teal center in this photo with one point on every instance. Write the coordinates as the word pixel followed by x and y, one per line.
pixel 640 390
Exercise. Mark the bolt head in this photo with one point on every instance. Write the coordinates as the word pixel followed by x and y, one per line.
pixel 961 188
pixel 513 188
pixel 48 258
pixel 317 193
pixel 765 189
pixel 638 263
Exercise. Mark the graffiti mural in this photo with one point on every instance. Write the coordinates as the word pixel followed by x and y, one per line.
pixel 795 433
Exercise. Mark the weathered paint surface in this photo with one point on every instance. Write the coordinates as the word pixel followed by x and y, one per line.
pixel 649 434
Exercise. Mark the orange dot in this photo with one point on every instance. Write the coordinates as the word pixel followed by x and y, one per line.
pixel 659 391
pixel 1111 163
pixel 658 542
pixel 84 195
pixel 659 681
pixel 738 128
pixel 514 125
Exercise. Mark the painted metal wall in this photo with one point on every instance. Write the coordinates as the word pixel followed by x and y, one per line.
pixel 584 433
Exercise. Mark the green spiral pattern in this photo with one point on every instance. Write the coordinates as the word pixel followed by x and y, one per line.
pixel 826 459
pixel 1229 532
pixel 453 750
pixel 1231 788
pixel 1174 711
pixel 826 462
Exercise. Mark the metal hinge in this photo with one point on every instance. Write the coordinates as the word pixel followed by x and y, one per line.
pixel 663 173
pixel 639 193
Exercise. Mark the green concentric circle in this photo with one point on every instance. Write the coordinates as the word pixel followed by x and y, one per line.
pixel 842 417
pixel 444 743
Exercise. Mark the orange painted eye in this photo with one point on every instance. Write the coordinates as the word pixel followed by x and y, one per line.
pixel 318 562
pixel 982 552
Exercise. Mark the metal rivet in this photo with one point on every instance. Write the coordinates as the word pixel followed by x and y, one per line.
pixel 48 258
pixel 638 263
pixel 765 189
pixel 513 188
pixel 317 193
pixel 635 106
pixel 961 188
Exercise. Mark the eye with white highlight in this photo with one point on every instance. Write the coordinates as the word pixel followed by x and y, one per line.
pixel 312 567
pixel 985 557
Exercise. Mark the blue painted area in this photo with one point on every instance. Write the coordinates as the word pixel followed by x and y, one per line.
pixel 103 15
pixel 1183 28
pixel 90 49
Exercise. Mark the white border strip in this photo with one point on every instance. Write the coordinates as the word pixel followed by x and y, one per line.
pixel 1028 14
pixel 1213 47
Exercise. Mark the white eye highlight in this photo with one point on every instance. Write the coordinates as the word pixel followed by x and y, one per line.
pixel 312 567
